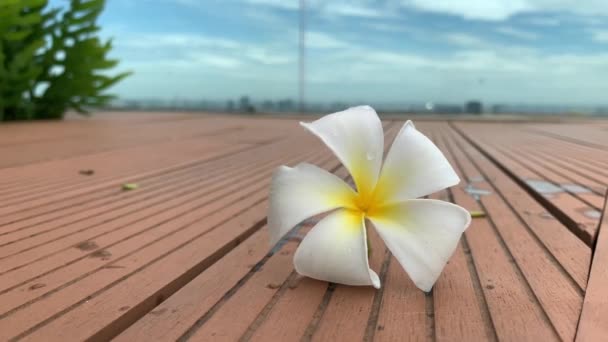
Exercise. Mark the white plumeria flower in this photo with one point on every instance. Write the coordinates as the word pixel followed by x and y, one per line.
pixel 421 233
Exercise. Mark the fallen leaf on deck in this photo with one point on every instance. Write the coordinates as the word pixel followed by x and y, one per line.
pixel 476 214
pixel 130 186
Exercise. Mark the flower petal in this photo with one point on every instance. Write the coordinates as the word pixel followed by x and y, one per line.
pixel 422 235
pixel 356 137
pixel 335 250
pixel 414 167
pixel 301 192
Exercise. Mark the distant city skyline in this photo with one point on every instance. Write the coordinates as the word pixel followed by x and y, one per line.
pixel 245 104
pixel 503 51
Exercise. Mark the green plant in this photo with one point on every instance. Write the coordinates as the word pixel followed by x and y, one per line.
pixel 52 60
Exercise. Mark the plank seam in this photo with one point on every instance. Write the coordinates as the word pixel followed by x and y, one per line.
pixel 172 287
pixel 262 315
pixel 149 193
pixel 558 163
pixel 568 139
pixel 602 226
pixel 131 253
pixel 316 318
pixel 524 224
pixel 516 267
pixel 489 325
pixel 374 313
pixel 568 222
pixel 516 160
pixel 240 283
pixel 188 191
pixel 109 182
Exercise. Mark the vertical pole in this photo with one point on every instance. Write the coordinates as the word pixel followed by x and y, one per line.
pixel 302 57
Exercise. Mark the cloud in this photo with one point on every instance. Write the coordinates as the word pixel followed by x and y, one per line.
pixel 282 4
pixel 387 27
pixel 499 10
pixel 510 76
pixel 167 40
pixel 360 9
pixel 463 39
pixel 600 36
pixel 353 10
pixel 267 17
pixel 472 9
pixel 267 57
pixel 320 40
pixel 216 60
pixel 356 58
pixel 543 21
pixel 517 33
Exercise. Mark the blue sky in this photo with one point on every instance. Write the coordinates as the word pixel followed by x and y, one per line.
pixel 394 51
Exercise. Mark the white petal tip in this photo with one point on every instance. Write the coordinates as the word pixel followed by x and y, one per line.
pixel 375 280
pixel 425 286
pixel 308 127
pixel 425 289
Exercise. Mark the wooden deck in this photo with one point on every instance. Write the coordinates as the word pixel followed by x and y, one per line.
pixel 185 257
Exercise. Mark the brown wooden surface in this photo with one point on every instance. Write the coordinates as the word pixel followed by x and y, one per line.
pixel 185 257
pixel 594 318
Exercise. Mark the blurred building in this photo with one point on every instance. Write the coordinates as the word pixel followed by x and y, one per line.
pixel 473 107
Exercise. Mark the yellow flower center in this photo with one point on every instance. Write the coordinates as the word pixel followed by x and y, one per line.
pixel 364 203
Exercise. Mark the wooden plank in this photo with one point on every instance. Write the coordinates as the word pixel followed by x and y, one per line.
pixel 404 308
pixel 594 181
pixel 107 199
pixel 53 257
pixel 544 275
pixel 593 325
pixel 25 251
pixel 111 232
pixel 561 178
pixel 25 223
pixel 346 316
pixel 290 316
pixel 514 312
pixel 274 278
pixel 455 310
pixel 158 277
pixel 247 301
pixel 572 254
pixel 174 317
pixel 518 273
pixel 108 171
pixel 96 140
pixel 66 171
pixel 94 303
pixel 460 310
pixel 101 318
pixel 583 134
pixel 562 203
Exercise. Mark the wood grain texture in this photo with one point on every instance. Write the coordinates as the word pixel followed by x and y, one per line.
pixel 185 256
pixel 593 325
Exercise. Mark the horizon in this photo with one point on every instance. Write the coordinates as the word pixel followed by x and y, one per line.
pixel 407 51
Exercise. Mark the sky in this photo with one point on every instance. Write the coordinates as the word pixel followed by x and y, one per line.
pixel 391 51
